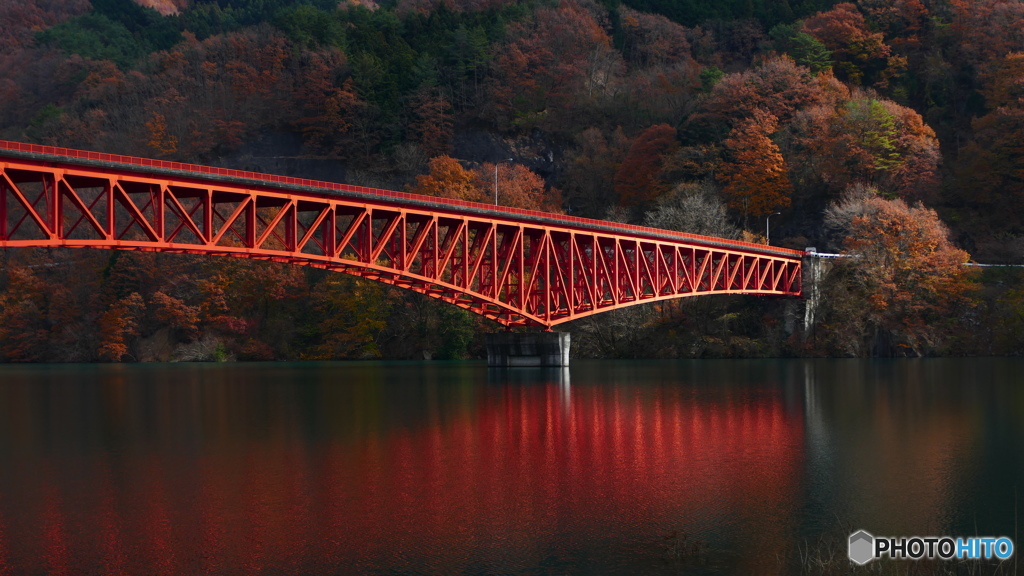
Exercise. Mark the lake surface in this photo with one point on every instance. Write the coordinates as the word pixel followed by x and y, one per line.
pixel 610 467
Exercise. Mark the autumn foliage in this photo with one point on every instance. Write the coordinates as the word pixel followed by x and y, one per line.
pixel 558 59
pixel 859 53
pixel 638 180
pixel 448 179
pixel 117 325
pixel 679 114
pixel 507 185
pixel 865 140
pixel 904 268
pixel 755 179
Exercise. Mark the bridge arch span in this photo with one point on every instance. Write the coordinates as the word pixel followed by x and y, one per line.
pixel 516 267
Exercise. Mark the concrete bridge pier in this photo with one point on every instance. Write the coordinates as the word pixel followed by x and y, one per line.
pixel 811 288
pixel 816 267
pixel 511 349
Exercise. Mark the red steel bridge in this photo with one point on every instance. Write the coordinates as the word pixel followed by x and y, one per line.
pixel 517 267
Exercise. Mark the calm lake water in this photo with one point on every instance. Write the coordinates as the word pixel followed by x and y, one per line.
pixel 450 468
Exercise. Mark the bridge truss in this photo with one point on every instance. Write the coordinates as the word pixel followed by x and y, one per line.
pixel 516 267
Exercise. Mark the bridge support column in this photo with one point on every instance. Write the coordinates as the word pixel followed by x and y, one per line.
pixel 509 349
pixel 812 280
pixel 816 268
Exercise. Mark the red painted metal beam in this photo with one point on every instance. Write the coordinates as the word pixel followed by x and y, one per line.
pixel 517 267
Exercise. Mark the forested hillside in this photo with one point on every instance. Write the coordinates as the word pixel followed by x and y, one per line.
pixel 889 129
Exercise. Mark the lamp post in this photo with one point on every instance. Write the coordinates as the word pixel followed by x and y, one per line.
pixel 496 177
pixel 767 230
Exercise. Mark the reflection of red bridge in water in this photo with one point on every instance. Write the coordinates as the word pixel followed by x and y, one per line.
pixel 516 267
pixel 495 478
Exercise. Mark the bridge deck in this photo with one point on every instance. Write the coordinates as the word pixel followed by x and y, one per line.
pixel 515 266
pixel 255 179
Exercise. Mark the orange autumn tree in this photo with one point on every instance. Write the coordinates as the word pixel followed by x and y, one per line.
pixel 858 53
pixel 118 324
pixel 776 85
pixel 518 187
pixel 159 140
pixel 901 291
pixel 754 176
pixel 447 178
pixel 174 313
pixel 215 289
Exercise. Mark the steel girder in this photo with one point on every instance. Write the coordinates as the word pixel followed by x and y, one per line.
pixel 516 267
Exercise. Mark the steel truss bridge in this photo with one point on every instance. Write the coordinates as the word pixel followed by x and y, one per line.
pixel 516 267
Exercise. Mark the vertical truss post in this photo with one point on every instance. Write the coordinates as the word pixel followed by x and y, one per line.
pixel 53 204
pixel 3 206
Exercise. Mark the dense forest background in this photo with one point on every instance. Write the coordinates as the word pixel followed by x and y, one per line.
pixel 888 129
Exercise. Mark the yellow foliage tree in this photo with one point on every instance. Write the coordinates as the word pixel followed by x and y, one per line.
pixel 447 178
pixel 159 140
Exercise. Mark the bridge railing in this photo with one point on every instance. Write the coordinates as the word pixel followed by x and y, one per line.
pixel 272 178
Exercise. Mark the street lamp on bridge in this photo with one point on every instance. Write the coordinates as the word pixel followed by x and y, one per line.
pixel 496 177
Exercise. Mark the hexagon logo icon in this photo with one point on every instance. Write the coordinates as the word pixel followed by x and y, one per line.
pixel 861 544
